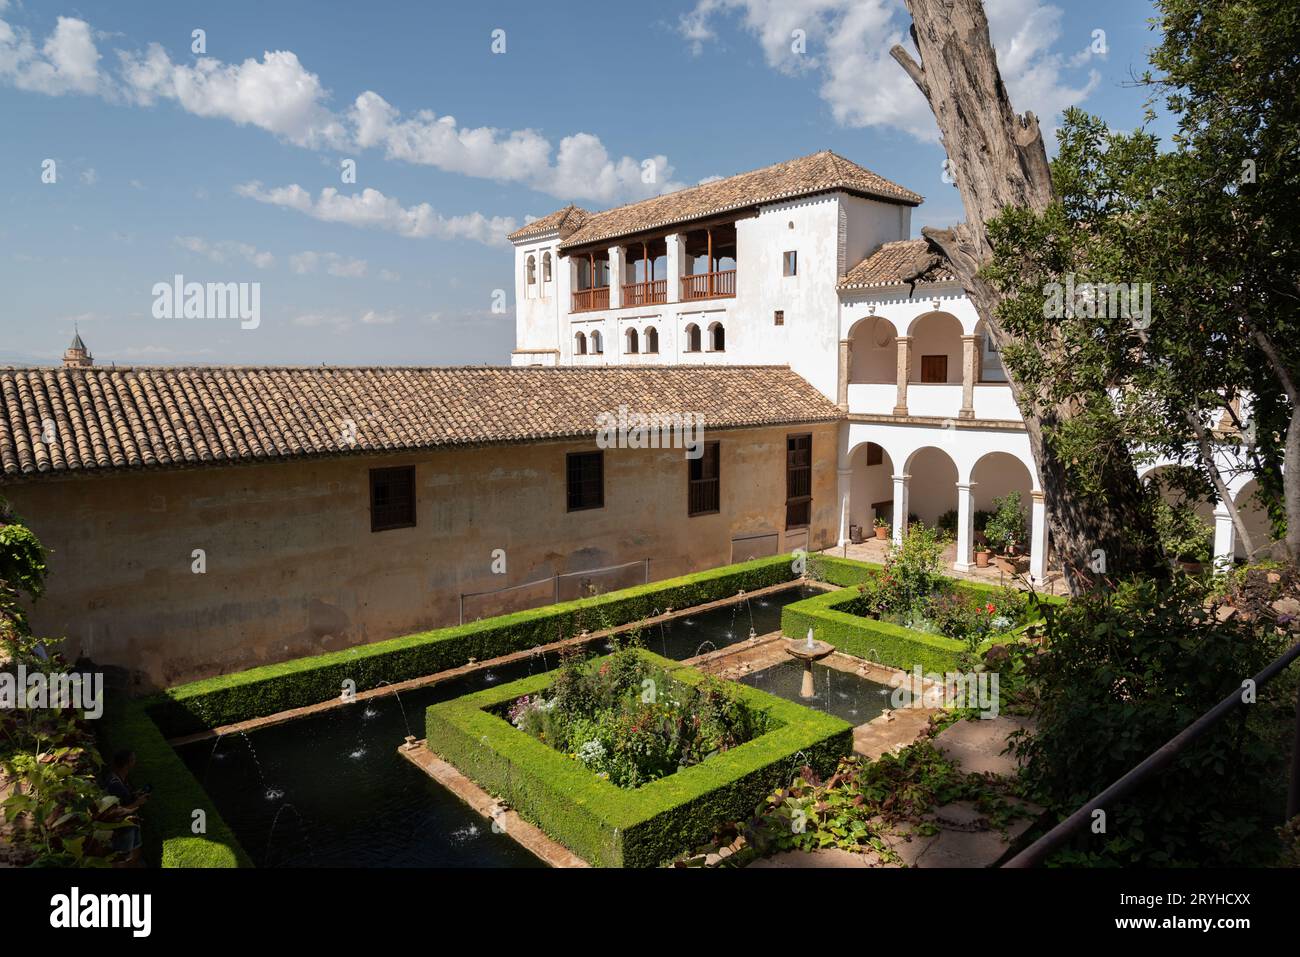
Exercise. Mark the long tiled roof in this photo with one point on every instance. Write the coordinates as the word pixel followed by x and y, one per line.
pixel 818 173
pixel 114 419
pixel 904 260
pixel 565 221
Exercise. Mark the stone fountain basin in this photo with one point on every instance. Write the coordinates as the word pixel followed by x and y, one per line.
pixel 798 648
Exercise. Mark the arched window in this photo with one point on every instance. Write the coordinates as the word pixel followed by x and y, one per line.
pixel 546 267
pixel 632 342
pixel 597 343
pixel 651 340
pixel 692 338
pixel 531 269
pixel 717 338
pixel 580 345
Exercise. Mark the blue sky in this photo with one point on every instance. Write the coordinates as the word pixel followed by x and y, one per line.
pixel 225 166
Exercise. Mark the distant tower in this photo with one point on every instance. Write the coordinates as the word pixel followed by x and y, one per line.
pixel 77 356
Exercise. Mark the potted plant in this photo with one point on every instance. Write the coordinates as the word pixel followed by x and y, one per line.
pixel 882 528
pixel 981 556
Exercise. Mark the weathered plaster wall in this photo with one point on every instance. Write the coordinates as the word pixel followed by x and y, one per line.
pixel 293 568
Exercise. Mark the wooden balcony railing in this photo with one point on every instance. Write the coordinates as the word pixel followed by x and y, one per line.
pixel 709 285
pixel 584 300
pixel 645 293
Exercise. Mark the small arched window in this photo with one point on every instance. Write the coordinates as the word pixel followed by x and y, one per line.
pixel 633 342
pixel 717 338
pixel 546 267
pixel 692 338
pixel 580 345
pixel 597 344
pixel 651 340
pixel 531 269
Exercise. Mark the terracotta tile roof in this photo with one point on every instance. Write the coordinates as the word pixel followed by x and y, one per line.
pixel 566 220
pixel 818 173
pixel 904 260
pixel 148 418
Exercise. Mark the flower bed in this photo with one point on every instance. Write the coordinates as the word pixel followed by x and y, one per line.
pixel 673 795
pixel 631 723
pixel 896 616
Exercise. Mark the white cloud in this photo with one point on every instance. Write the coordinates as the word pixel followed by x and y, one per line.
pixel 67 62
pixel 277 93
pixel 583 168
pixel 89 176
pixel 388 275
pixel 372 209
pixel 372 318
pixel 226 250
pixel 340 322
pixel 848 43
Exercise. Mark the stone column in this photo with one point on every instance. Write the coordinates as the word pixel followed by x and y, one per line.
pixel 965 526
pixel 1225 538
pixel 617 262
pixel 969 356
pixel 904 371
pixel 676 261
pixel 846 363
pixel 1038 540
pixel 900 506
pixel 845 483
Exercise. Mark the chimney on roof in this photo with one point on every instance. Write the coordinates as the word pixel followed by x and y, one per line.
pixel 77 356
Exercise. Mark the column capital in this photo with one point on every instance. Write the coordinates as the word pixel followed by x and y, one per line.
pixel 902 340
pixel 966 486
pixel 901 478
pixel 969 338
pixel 1037 496
pixel 844 471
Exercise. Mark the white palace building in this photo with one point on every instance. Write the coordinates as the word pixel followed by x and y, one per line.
pixel 810 264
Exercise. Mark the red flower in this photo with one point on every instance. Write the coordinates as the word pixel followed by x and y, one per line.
pixel 989 608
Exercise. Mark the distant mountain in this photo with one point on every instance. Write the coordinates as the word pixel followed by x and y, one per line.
pixel 26 359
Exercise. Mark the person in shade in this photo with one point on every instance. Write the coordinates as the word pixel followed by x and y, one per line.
pixel 126 840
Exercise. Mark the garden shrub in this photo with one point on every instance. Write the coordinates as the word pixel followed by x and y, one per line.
pixel 1006 525
pixel 1123 672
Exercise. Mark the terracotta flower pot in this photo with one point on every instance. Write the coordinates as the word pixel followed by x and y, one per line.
pixel 882 532
pixel 981 559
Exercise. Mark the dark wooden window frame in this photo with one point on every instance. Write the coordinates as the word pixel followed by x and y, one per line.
pixel 778 317
pixel 569 475
pixel 390 514
pixel 703 491
pixel 798 477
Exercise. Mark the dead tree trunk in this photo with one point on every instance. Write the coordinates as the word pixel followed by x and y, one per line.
pixel 998 160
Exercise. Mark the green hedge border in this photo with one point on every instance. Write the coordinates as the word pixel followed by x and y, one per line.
pixel 888 644
pixel 169 813
pixel 269 689
pixel 611 826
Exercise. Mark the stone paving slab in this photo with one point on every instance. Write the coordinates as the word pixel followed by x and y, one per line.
pixel 977 746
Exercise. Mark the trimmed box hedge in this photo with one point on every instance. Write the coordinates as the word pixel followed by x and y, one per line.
pixel 269 689
pixel 168 815
pixel 830 617
pixel 611 826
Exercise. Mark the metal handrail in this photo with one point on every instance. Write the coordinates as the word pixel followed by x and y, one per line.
pixel 1037 852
